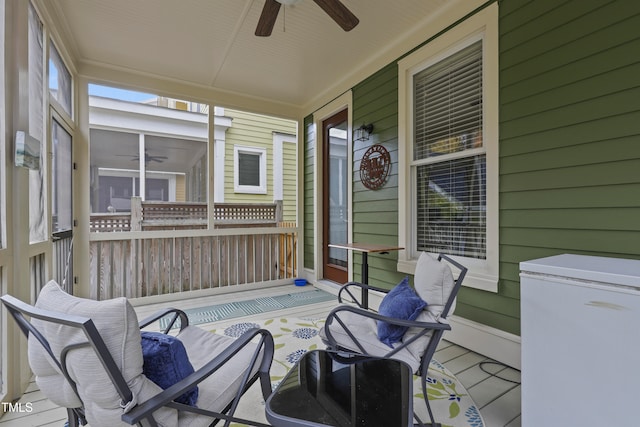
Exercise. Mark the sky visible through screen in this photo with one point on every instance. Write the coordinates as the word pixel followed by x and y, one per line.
pixel 121 94
pixel 103 91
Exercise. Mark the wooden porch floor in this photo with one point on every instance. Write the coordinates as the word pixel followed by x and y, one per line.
pixel 494 388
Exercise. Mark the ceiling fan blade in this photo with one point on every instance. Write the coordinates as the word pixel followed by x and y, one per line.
pixel 339 13
pixel 267 18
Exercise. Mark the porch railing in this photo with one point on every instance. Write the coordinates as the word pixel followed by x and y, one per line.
pixel 146 216
pixel 140 264
pixel 165 248
pixel 107 222
pixel 63 259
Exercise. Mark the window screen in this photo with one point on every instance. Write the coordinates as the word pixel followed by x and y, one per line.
pixel 59 79
pixel 37 199
pixel 451 207
pixel 61 174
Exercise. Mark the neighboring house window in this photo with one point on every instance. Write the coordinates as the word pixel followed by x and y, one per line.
pixel 450 158
pixel 250 170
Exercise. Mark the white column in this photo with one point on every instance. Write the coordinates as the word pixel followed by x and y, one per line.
pixel 218 170
pixel 143 167
pixel 278 168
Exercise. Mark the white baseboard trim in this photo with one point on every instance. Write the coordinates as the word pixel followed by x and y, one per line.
pixel 327 286
pixel 491 342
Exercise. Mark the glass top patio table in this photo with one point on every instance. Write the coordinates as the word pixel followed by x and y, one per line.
pixel 327 389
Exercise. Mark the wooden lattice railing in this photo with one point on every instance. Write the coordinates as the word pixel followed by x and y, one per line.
pixel 107 222
pixel 146 216
pixel 247 214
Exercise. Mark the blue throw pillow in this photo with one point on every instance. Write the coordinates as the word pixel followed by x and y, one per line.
pixel 166 363
pixel 401 302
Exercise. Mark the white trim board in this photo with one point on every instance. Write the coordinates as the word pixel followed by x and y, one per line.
pixel 491 342
pixel 344 101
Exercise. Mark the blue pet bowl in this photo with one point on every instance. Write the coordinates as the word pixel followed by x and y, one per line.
pixel 300 282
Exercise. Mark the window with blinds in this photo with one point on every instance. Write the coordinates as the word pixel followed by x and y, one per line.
pixel 449 159
pixel 249 169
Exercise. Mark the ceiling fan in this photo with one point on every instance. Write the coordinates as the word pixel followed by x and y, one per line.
pixel 147 158
pixel 334 8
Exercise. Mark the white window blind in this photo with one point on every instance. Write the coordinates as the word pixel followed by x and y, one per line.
pixel 249 165
pixel 449 161
pixel 448 104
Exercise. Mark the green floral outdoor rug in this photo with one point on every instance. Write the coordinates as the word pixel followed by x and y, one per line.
pixel 450 401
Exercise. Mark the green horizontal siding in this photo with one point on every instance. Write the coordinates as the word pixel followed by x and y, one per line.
pixel 309 191
pixel 569 124
pixel 375 212
pixel 602 219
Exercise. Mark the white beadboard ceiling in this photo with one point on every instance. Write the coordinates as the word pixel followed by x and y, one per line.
pixel 211 43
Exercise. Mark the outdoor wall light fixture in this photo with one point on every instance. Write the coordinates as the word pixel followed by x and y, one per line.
pixel 363 132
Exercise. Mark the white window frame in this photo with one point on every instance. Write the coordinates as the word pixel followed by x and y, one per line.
pixel 5 259
pixel 250 189
pixel 67 116
pixel 483 273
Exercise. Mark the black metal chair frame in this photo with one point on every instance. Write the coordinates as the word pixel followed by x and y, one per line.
pixel 142 413
pixel 437 328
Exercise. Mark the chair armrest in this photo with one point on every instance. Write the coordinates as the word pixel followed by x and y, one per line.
pixel 184 320
pixel 346 289
pixel 146 409
pixel 394 321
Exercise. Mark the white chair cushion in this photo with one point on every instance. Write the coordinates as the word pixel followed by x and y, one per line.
pixel 219 389
pixel 433 282
pixel 365 330
pixel 418 347
pixel 118 325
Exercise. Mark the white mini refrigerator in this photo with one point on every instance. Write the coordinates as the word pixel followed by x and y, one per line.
pixel 580 330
